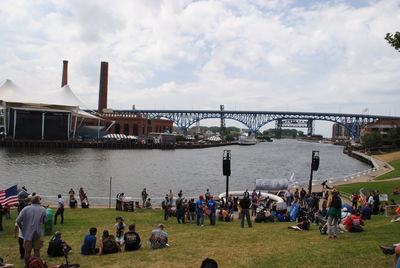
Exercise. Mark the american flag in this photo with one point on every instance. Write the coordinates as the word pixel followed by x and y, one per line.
pixel 363 197
pixel 9 196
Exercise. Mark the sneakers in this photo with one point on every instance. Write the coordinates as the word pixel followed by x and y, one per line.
pixel 388 250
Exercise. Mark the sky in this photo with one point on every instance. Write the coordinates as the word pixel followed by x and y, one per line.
pixel 277 55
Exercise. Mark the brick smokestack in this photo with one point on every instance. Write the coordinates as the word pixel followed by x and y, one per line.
pixel 64 80
pixel 103 87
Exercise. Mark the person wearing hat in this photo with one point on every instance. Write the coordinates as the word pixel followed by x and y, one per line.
pixel 334 213
pixel 57 246
pixel 159 238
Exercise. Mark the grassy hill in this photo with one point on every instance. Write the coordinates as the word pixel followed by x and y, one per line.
pixel 264 245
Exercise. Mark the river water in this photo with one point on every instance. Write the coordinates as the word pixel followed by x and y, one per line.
pixel 52 171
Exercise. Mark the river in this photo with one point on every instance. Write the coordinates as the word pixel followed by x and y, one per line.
pixel 52 171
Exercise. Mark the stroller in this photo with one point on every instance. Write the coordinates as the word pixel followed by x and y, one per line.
pixel 67 264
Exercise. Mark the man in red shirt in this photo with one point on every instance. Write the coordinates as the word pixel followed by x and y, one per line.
pixel 353 223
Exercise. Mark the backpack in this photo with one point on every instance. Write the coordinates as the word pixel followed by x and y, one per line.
pixel 163 205
pixel 37 263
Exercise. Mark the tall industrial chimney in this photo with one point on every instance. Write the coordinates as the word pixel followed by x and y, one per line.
pixel 64 80
pixel 103 87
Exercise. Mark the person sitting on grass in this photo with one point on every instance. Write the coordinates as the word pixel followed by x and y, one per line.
pixel 108 244
pixel 147 204
pixel 353 223
pixel 132 239
pixel 396 191
pixel 4 265
pixel 119 230
pixel 159 238
pixel 366 212
pixel 89 243
pixel 303 225
pixel 209 263
pixel 57 247
pixel 390 250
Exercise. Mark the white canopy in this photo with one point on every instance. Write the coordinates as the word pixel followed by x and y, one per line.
pixel 10 92
pixel 62 98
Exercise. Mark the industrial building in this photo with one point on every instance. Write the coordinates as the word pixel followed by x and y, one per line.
pixel 27 114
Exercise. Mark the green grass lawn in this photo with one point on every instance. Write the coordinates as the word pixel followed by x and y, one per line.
pixel 384 187
pixel 392 174
pixel 265 245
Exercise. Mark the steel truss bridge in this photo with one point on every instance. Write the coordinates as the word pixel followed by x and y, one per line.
pixel 254 120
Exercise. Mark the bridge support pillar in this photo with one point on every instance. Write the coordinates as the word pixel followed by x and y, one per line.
pixel 278 129
pixel 310 127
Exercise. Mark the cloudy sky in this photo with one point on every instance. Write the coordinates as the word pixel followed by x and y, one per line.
pixel 327 56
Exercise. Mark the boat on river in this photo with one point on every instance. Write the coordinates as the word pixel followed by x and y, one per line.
pixel 247 139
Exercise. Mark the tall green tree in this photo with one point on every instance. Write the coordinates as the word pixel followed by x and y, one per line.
pixel 394 40
pixel 372 140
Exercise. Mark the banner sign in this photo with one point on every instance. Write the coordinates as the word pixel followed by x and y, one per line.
pixel 272 185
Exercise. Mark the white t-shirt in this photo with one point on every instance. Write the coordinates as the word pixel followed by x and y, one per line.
pixel 19 231
pixel 61 202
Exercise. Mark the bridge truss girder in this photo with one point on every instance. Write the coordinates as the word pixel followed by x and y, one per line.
pixel 254 120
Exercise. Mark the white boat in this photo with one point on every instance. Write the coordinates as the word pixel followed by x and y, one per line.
pixel 247 139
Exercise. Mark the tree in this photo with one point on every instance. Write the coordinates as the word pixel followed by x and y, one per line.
pixel 372 140
pixel 394 40
pixel 394 136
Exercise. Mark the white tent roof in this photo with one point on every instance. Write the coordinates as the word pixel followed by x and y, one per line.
pixel 64 96
pixel 10 92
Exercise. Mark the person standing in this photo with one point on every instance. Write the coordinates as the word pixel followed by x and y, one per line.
pixel 200 211
pixel 82 196
pixel 302 197
pixel 60 210
pixel 334 213
pixel 245 205
pixel 1 217
pixel 18 233
pixel 165 207
pixel 191 210
pixel 207 195
pixel 180 213
pixel 71 194
pixel 144 196
pixel 212 205
pixel 31 220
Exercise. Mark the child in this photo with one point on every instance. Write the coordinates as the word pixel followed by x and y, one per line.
pixel 120 229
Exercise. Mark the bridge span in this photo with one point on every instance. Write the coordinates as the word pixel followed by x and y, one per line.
pixel 254 120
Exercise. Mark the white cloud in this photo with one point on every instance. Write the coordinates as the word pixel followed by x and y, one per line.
pixel 256 55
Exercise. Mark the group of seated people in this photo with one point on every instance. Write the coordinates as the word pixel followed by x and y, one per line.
pixel 130 240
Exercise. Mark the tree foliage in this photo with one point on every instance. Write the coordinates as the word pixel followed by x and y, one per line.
pixel 372 140
pixel 394 136
pixel 394 40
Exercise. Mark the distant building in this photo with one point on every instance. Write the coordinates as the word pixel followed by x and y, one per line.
pixel 340 132
pixel 130 124
pixel 384 127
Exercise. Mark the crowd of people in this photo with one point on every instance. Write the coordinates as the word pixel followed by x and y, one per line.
pixel 325 209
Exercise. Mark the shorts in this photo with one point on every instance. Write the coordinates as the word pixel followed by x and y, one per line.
pixel 36 243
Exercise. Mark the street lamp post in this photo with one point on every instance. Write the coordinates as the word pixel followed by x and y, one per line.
pixel 226 170
pixel 314 167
